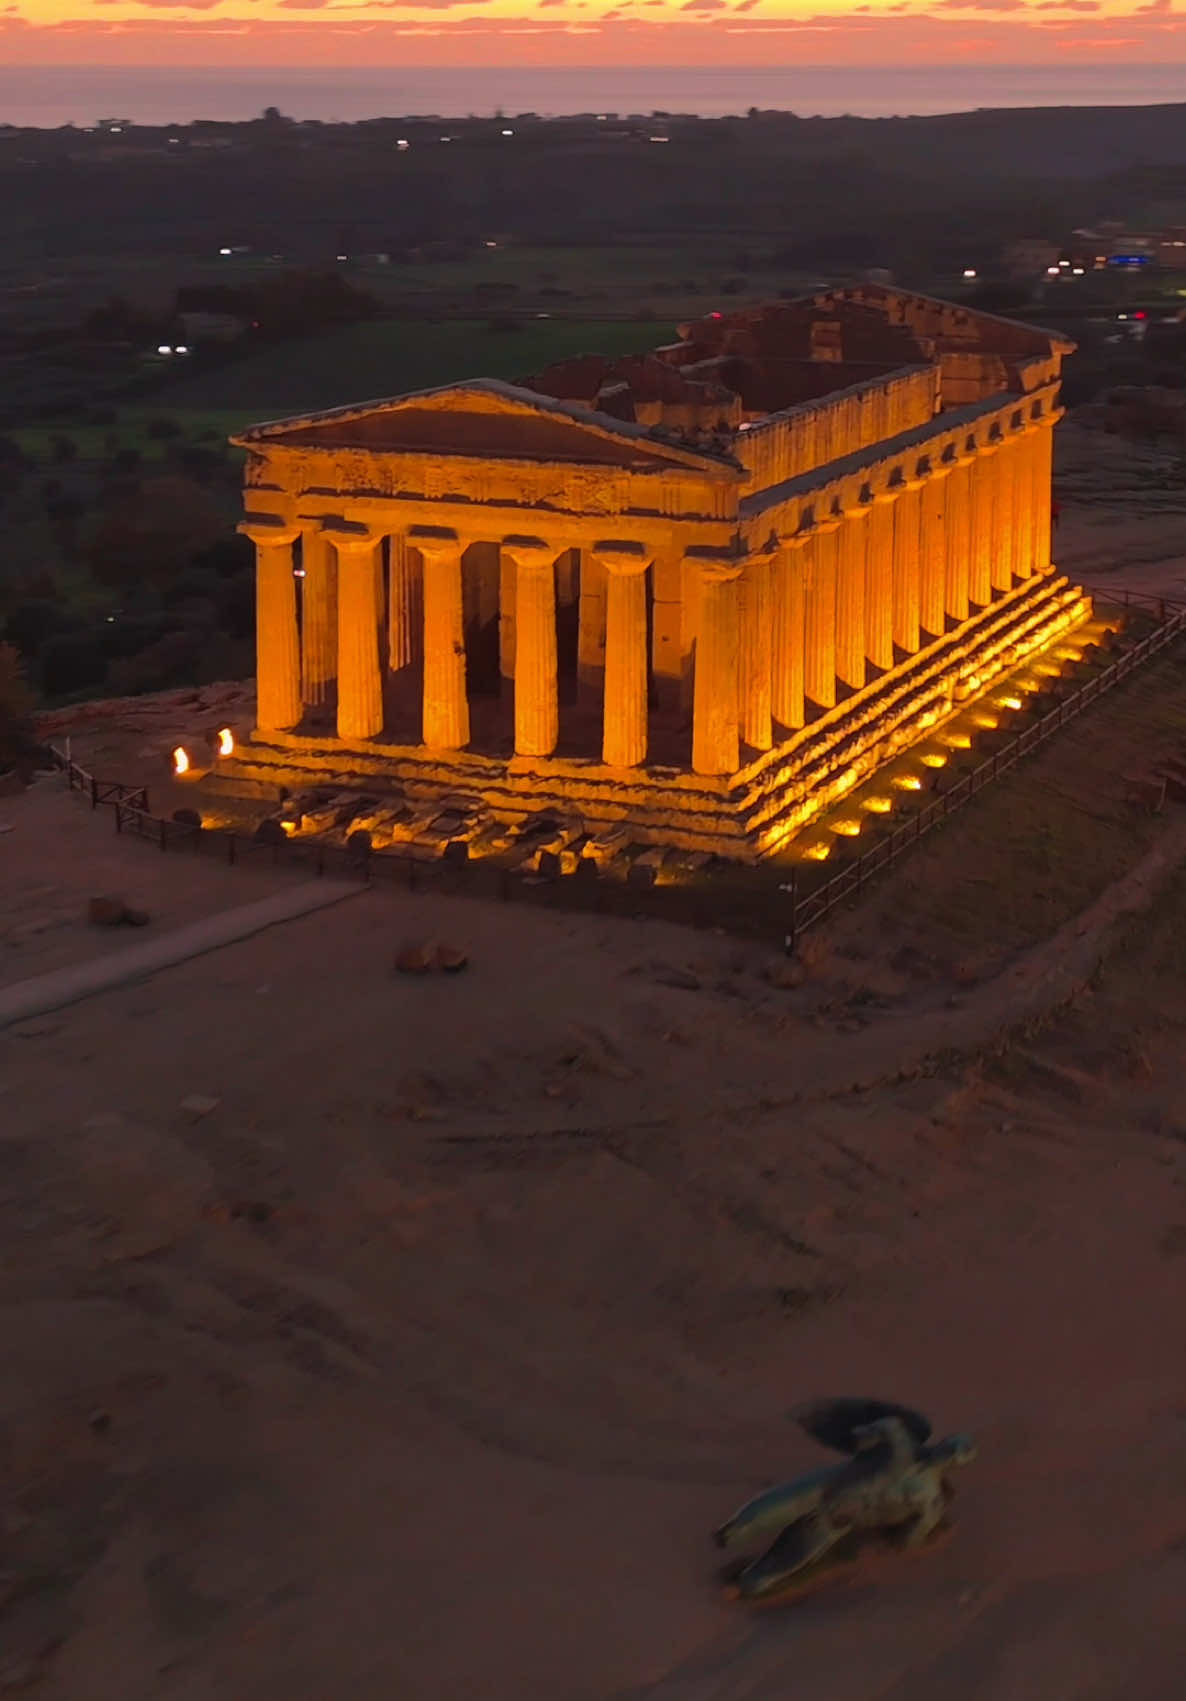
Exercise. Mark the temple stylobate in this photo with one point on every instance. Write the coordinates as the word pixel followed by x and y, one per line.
pixel 701 592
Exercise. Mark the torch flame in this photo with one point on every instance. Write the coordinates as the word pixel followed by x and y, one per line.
pixel 226 741
pixel 180 761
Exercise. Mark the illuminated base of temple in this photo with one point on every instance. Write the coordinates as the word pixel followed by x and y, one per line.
pixel 744 816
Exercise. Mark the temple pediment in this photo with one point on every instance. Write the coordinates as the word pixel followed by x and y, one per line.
pixel 488 420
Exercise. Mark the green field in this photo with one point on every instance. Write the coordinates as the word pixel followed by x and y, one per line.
pixel 387 357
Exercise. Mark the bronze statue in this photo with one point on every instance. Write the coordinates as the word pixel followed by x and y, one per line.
pixel 894 1488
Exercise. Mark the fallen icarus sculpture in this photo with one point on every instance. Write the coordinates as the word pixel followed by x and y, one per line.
pixel 893 1490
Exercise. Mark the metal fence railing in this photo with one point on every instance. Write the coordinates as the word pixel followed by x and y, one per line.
pixel 808 911
pixel 698 903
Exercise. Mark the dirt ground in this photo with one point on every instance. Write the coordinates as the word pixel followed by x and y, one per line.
pixel 421 1355
pixel 427 1358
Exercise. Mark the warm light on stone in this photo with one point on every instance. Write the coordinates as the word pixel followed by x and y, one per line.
pixel 594 590
pixel 180 761
pixel 878 805
pixel 226 741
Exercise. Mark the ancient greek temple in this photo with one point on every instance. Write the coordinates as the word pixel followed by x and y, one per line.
pixel 702 592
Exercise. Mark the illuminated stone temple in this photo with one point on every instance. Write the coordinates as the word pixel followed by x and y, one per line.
pixel 701 592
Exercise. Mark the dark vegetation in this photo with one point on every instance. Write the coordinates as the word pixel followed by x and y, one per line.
pixel 161 287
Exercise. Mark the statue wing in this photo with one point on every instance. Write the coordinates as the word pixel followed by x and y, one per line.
pixel 834 1423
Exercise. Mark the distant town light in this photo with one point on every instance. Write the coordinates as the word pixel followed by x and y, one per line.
pixel 182 348
pixel 1052 271
pixel 969 271
pixel 446 138
pixel 659 138
pixel 490 244
pixel 164 348
pixel 1064 264
pixel 1077 271
pixel 343 256
pixel 508 132
pixel 402 143
pixel 224 251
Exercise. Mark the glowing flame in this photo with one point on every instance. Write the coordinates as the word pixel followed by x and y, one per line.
pixel 909 782
pixel 878 805
pixel 180 761
pixel 818 852
pixel 934 759
pixel 1009 702
pixel 1069 655
pixel 288 827
pixel 226 741
pixel 988 721
pixel 848 827
pixel 958 741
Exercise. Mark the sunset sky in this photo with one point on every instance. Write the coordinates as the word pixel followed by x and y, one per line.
pixel 591 32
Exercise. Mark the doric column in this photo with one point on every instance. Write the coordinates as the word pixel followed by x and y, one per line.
pixel 591 629
pixel 907 574
pixel 754 652
pixel 446 706
pixel 851 542
pixel 879 581
pixel 933 546
pixel 360 680
pixel 537 713
pixel 819 616
pixel 624 709
pixel 959 538
pixel 277 642
pixel 980 561
pixel 1043 476
pixel 319 617
pixel 402 603
pixel 1002 513
pixel 714 716
pixel 1024 447
pixel 786 658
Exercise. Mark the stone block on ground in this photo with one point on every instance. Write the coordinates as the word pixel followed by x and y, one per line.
pixel 451 959
pixel 106 912
pixel 416 957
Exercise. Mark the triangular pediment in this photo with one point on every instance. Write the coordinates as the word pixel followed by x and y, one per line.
pixel 487 420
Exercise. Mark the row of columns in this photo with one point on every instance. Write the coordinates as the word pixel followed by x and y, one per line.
pixel 337 637
pixel 770 633
pixel 884 576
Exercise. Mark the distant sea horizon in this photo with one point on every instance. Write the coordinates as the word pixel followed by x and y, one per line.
pixel 51 96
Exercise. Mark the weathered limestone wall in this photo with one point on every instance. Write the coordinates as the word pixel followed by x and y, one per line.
pixel 810 435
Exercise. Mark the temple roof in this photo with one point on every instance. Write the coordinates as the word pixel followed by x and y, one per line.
pixel 484 418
